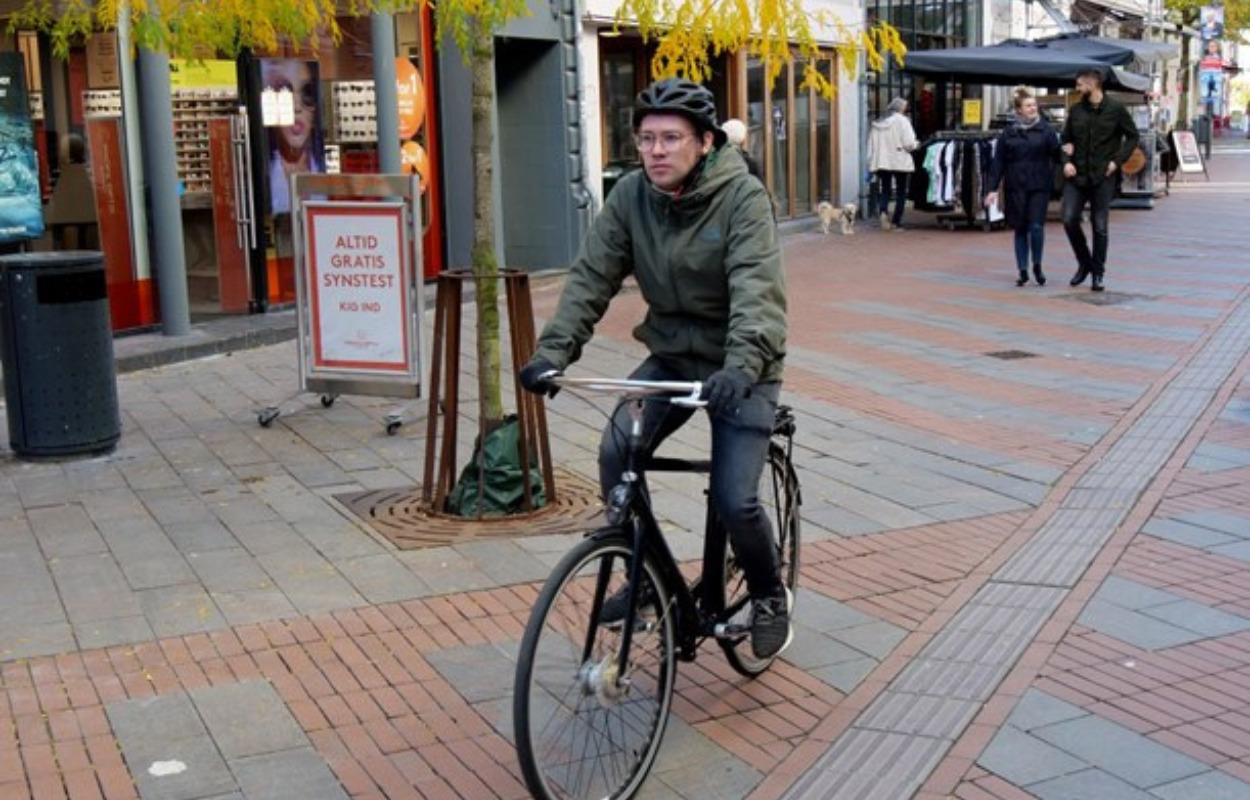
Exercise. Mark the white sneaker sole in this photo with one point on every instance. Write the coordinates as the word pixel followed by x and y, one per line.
pixel 789 628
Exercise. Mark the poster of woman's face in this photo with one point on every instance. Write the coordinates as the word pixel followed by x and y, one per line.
pixel 297 147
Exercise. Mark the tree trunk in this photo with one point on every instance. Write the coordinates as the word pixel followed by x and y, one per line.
pixel 484 263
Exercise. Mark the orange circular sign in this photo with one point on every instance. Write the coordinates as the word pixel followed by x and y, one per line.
pixel 413 158
pixel 411 98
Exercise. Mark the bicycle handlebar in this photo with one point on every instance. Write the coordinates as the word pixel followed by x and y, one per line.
pixel 679 393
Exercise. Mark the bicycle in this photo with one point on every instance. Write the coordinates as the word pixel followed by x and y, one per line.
pixel 592 696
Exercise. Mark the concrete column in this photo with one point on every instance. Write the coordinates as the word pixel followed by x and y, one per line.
pixel 161 167
pixel 385 93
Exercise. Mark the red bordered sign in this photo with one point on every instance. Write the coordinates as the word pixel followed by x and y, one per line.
pixel 358 276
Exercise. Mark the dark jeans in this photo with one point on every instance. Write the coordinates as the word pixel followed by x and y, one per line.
pixel 1098 197
pixel 739 447
pixel 893 185
pixel 1032 237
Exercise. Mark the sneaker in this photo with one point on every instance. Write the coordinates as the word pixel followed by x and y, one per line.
pixel 616 606
pixel 771 631
pixel 885 222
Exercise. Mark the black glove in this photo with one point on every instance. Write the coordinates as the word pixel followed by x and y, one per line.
pixel 534 377
pixel 724 388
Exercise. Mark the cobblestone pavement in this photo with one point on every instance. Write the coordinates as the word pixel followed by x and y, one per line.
pixel 1025 573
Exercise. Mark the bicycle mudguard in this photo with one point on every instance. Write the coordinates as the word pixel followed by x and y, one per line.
pixel 605 532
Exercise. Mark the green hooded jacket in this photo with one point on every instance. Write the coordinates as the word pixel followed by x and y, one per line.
pixel 708 264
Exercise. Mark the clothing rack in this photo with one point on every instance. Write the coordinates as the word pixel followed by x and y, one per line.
pixel 961 135
pixel 969 211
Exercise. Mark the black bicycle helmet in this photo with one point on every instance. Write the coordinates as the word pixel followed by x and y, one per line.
pixel 680 96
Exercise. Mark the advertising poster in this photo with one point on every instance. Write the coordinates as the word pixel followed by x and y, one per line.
pixel 411 92
pixel 357 287
pixel 21 202
pixel 1212 22
pixel 291 112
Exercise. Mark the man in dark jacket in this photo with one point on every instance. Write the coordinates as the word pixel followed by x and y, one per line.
pixel 696 231
pixel 1098 136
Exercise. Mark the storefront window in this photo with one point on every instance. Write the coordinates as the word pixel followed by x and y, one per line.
pixel 923 25
pixel 619 80
pixel 824 141
pixel 781 127
pixel 802 142
pixel 757 125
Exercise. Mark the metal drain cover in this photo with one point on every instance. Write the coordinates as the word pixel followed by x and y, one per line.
pixel 1106 298
pixel 1011 355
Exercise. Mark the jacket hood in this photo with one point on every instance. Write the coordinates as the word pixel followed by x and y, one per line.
pixel 720 166
pixel 888 122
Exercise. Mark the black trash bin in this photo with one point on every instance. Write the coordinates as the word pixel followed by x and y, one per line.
pixel 60 378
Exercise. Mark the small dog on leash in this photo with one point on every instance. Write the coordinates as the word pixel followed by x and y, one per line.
pixel 844 216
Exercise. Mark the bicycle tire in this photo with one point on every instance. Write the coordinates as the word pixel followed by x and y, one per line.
pixel 779 494
pixel 579 734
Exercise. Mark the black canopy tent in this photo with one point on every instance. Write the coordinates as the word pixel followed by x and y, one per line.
pixel 1051 63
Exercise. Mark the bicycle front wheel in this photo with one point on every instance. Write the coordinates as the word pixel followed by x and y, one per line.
pixel 779 496
pixel 586 727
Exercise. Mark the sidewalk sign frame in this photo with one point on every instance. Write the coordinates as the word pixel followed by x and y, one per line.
pixel 358 287
pixel 1189 157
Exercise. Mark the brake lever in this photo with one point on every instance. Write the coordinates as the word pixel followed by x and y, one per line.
pixel 692 400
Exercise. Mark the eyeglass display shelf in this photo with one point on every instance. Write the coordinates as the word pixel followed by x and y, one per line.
pixel 193 108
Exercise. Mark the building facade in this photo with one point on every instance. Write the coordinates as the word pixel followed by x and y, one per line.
pixel 806 143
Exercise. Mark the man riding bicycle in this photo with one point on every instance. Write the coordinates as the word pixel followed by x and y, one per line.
pixel 696 231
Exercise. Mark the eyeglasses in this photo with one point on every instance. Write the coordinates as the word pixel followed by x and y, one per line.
pixel 646 142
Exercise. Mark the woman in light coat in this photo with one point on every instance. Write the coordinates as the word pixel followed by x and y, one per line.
pixel 891 141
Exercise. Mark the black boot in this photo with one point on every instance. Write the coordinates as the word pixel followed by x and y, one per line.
pixel 1038 275
pixel 1079 277
pixel 1095 285
pixel 1023 279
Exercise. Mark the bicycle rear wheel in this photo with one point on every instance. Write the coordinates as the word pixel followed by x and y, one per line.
pixel 583 730
pixel 779 495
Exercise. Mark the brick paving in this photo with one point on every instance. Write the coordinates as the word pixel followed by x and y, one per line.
pixel 205 572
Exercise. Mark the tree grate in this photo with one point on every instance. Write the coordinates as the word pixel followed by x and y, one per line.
pixel 402 517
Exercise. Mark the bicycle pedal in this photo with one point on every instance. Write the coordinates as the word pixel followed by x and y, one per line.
pixel 731 631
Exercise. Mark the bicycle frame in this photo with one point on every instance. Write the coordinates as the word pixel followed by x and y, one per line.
pixel 630 510
pixel 617 687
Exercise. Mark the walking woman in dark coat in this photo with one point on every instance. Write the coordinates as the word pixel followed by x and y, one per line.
pixel 1024 163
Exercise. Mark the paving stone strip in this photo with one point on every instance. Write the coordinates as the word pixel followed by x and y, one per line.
pixel 237 739
pixel 922 712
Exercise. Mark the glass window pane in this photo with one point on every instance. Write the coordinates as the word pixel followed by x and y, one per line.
pixel 781 145
pixel 824 154
pixel 802 143
pixel 757 128
pixel 618 104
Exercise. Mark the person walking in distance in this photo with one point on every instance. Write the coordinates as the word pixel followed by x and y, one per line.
pixel 891 141
pixel 1098 136
pixel 736 131
pixel 697 233
pixel 1024 163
